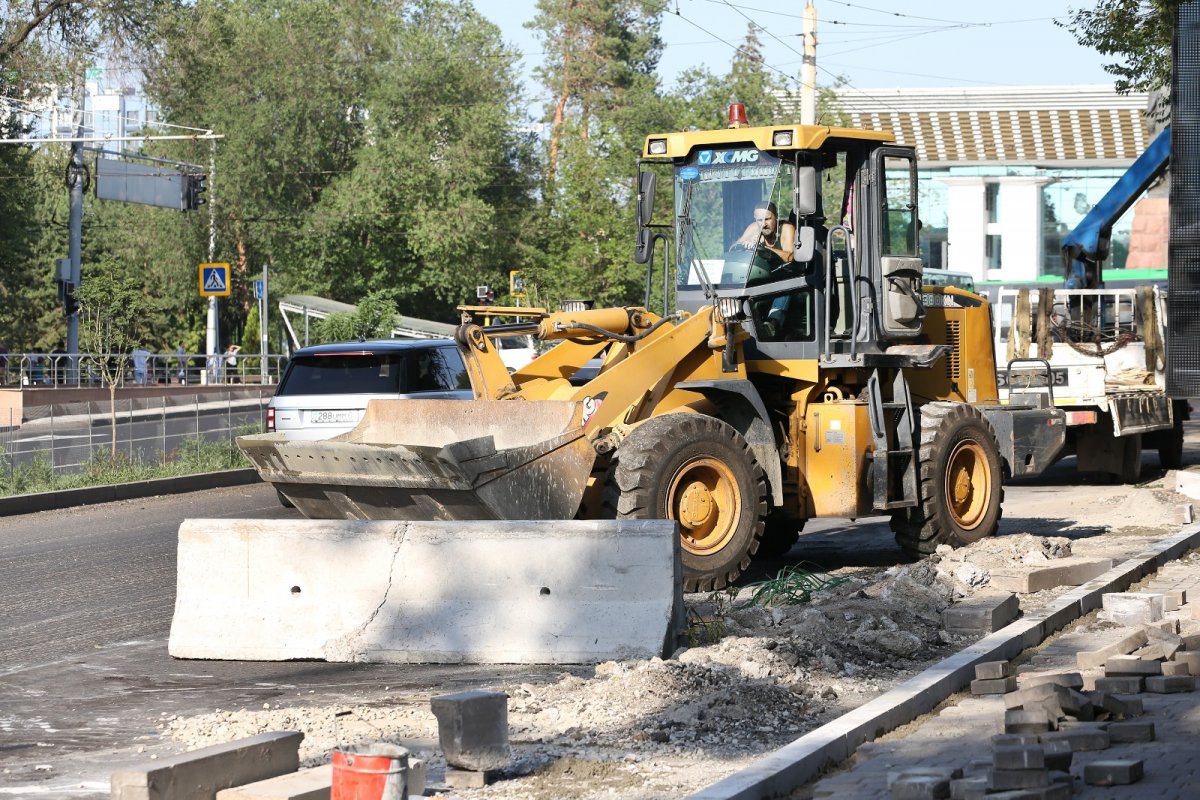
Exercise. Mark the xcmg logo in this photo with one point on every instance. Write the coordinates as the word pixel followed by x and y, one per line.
pixel 707 158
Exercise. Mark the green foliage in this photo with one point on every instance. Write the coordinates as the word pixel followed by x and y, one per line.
pixel 791 586
pixel 374 318
pixel 112 317
pixel 1137 32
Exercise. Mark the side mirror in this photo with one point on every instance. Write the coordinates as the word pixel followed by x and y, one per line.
pixel 641 248
pixel 647 181
pixel 805 190
pixel 806 243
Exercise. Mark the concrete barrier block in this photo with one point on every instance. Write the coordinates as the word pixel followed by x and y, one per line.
pixel 428 592
pixel 204 772
pixel 1118 772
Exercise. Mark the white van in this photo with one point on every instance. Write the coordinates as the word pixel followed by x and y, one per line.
pixel 326 387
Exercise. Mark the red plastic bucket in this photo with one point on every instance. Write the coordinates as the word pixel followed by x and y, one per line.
pixel 378 773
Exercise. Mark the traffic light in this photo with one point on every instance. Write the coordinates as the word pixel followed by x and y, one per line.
pixel 196 184
pixel 66 293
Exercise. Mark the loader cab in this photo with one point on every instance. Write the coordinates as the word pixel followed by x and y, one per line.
pixel 849 280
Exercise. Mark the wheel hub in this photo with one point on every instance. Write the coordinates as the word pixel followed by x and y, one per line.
pixel 968 484
pixel 704 499
pixel 696 506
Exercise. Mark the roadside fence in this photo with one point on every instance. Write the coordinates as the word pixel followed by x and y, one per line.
pixel 55 369
pixel 70 438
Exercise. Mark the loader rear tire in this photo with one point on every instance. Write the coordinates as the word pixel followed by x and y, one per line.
pixel 698 471
pixel 960 488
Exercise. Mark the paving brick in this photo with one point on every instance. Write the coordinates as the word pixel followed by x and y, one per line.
pixel 1154 635
pixel 991 670
pixel 1096 658
pixel 473 729
pixel 1057 755
pixel 207 771
pixel 470 778
pixel 1190 658
pixel 1175 668
pixel 985 686
pixel 1119 666
pixel 1070 572
pixel 1172 599
pixel 1019 720
pixel 1078 705
pixel 1166 626
pixel 1170 684
pixel 1117 706
pixel 1019 757
pixel 1155 651
pixel 1191 641
pixel 1129 684
pixel 1081 739
pixel 1003 780
pixel 968 789
pixel 1132 608
pixel 1056 791
pixel 982 613
pixel 1134 730
pixel 1116 772
pixel 1034 694
pixel 1069 680
pixel 915 771
pixel 1014 740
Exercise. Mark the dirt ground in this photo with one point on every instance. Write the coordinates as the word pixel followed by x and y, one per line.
pixel 753 678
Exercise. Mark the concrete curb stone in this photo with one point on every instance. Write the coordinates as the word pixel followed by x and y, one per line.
pixel 69 498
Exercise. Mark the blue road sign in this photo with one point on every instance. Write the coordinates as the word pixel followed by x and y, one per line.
pixel 258 289
pixel 214 280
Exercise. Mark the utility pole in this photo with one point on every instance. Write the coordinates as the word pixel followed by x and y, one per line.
pixel 808 68
pixel 212 329
pixel 76 175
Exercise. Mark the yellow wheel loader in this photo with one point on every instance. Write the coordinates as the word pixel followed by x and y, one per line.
pixel 804 373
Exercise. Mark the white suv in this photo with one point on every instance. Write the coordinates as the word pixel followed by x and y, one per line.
pixel 326 387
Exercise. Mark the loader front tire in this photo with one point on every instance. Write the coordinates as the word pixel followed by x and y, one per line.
pixel 698 471
pixel 959 481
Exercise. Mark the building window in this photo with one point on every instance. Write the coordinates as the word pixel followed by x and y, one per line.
pixel 991 200
pixel 992 251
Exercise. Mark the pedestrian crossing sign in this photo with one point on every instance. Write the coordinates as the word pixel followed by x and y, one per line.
pixel 214 280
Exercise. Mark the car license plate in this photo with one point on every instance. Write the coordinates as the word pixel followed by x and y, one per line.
pixel 1031 378
pixel 332 417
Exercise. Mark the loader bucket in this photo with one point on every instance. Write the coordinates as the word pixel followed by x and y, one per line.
pixel 436 460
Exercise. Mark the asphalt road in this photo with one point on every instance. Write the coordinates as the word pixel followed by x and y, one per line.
pixel 86 598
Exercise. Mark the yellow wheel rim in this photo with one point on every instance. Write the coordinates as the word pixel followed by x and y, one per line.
pixel 704 500
pixel 968 484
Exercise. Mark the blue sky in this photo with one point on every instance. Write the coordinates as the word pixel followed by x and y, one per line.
pixel 878 44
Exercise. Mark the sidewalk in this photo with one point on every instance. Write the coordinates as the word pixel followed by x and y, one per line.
pixel 959 735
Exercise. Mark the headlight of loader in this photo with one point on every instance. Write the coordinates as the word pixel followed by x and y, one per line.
pixel 657 147
pixel 729 309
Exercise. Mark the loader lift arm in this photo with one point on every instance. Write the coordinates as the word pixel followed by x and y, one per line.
pixel 1085 248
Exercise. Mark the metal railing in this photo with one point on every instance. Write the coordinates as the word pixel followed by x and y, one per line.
pixel 65 438
pixel 55 369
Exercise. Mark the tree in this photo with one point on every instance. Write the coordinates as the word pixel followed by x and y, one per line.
pixel 74 26
pixel 112 310
pixel 1139 32
pixel 602 97
pixel 369 144
pixel 374 318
